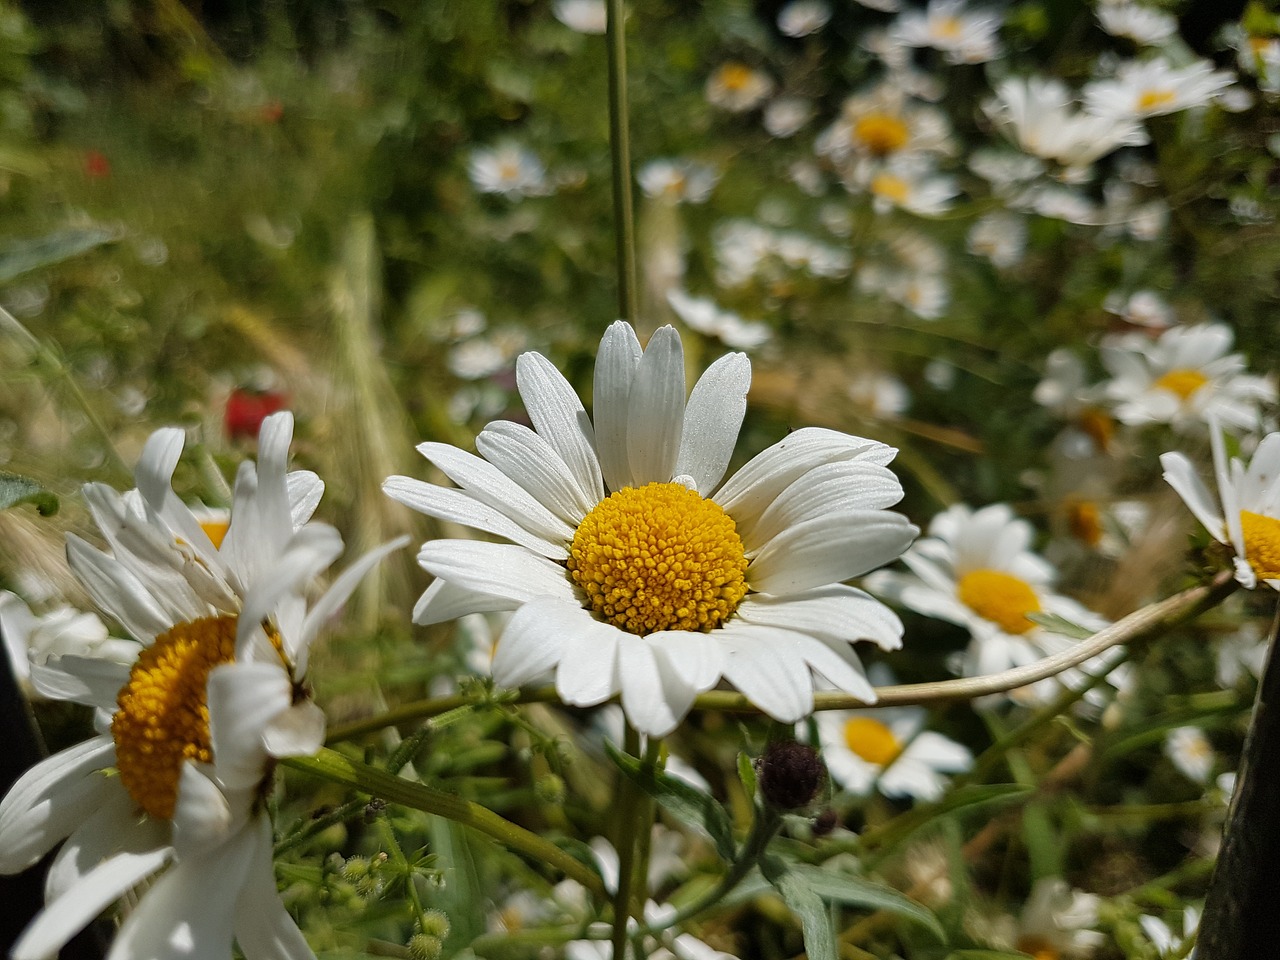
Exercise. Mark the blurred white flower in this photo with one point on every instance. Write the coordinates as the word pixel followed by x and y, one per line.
pixel 1000 236
pixel 913 187
pixel 584 16
pixel 800 18
pixel 705 316
pixel 1058 921
pixel 1143 25
pixel 1166 942
pixel 737 87
pixel 962 35
pixel 31 638
pixel 677 181
pixel 884 123
pixel 1191 752
pixel 1142 308
pixel 1150 88
pixel 509 169
pixel 879 394
pixel 786 116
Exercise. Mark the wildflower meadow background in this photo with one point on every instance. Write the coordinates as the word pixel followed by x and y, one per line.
pixel 1000 280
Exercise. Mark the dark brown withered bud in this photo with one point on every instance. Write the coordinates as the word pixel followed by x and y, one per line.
pixel 790 774
pixel 825 822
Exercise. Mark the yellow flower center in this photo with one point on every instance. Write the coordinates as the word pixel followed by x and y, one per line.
pixel 163 719
pixel 1183 382
pixel 1039 947
pixel 735 76
pixel 871 740
pixel 891 187
pixel 659 557
pixel 1154 99
pixel 947 28
pixel 215 530
pixel 1097 426
pixel 881 133
pixel 999 597
pixel 1262 544
pixel 1084 520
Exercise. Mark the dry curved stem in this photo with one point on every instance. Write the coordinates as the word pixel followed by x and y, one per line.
pixel 1153 619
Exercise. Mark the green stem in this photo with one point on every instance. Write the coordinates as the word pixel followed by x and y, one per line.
pixel 629 804
pixel 406 871
pixel 333 766
pixel 620 144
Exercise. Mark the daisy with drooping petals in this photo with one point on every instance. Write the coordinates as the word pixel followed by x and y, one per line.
pixel 962 35
pixel 190 729
pixel 976 569
pixel 633 569
pixel 1152 88
pixel 1247 514
pixel 1183 378
pixel 889 750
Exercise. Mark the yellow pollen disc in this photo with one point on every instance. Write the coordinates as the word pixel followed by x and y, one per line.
pixel 163 719
pixel 1184 382
pixel 871 740
pixel 735 76
pixel 891 187
pixel 1155 99
pixel 999 597
pixel 1084 520
pixel 881 133
pixel 948 28
pixel 215 530
pixel 1039 947
pixel 1262 544
pixel 659 557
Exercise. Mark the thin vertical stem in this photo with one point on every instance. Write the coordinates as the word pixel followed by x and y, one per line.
pixel 627 806
pixel 620 144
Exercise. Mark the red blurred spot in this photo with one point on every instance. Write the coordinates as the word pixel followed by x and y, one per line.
pixel 96 165
pixel 272 111
pixel 246 409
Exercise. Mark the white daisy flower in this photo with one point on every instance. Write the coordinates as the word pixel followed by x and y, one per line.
pixel 1191 752
pixel 1041 116
pixel 34 638
pixel 584 16
pixel 909 186
pixel 884 123
pixel 191 728
pixel 976 569
pixel 888 750
pixel 509 169
pixel 737 87
pixel 677 181
pixel 1151 88
pixel 800 18
pixel 786 116
pixel 703 315
pixel 948 25
pixel 633 570
pixel 1142 308
pixel 1000 236
pixel 1058 921
pixel 1146 26
pixel 1164 939
pixel 1246 515
pixel 1184 377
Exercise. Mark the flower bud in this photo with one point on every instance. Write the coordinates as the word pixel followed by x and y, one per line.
pixel 790 774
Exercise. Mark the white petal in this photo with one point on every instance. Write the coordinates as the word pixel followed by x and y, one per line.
pixel 587 673
pixel 835 613
pixel 297 732
pixel 309 553
pixel 712 420
pixel 263 928
pixel 92 681
pixel 762 664
pixel 748 492
pixel 828 550
pixel 114 827
pixel 459 507
pixel 189 913
pixel 444 601
pixel 656 410
pixel 496 569
pixel 697 658
pixel 489 485
pixel 305 492
pixel 558 416
pixel 644 698
pixel 243 699
pixel 116 591
pixel 939 752
pixel 1184 479
pixel 274 522
pixel 202 817
pixel 533 639
pixel 825 490
pixel 66 916
pixel 616 363
pixel 52 799
pixel 530 461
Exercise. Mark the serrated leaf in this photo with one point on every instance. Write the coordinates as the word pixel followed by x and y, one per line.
pixel 747 773
pixel 804 901
pixel 23 256
pixel 15 490
pixel 851 891
pixel 1061 625
pixel 687 803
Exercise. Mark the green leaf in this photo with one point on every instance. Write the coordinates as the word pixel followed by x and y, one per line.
pixel 805 902
pixel 1057 624
pixel 15 490
pixel 747 773
pixel 688 804
pixel 24 256
pixel 851 891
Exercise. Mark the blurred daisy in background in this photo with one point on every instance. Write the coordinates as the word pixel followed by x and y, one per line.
pixel 584 16
pixel 800 18
pixel 883 123
pixel 962 35
pixel 737 87
pixel 1183 377
pixel 999 236
pixel 31 638
pixel 1058 921
pixel 192 726
pixel 1190 751
pixel 1144 25
pixel 1246 513
pixel 786 116
pixel 1152 88
pixel 1164 939
pixel 509 169
pixel 677 181
pixel 633 569
pixel 1142 308
pixel 703 315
